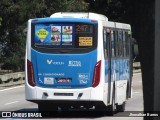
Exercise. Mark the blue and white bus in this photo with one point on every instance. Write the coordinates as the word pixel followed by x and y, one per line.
pixel 78 59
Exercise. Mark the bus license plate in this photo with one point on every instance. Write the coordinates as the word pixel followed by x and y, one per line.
pixel 64 80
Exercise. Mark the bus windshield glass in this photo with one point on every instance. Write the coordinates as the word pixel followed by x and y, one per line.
pixel 64 35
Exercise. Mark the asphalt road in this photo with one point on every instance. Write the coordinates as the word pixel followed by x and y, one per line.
pixel 13 99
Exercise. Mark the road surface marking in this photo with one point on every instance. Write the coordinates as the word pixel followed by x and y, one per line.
pixel 11 88
pixel 11 103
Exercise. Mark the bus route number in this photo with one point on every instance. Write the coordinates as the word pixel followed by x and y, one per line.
pixel 81 28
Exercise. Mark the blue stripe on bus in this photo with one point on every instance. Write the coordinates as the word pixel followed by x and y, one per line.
pixel 39 20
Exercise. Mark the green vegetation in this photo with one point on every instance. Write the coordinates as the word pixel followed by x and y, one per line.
pixel 14 15
pixel 0 20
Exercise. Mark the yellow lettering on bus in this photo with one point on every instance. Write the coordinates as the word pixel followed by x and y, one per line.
pixel 85 41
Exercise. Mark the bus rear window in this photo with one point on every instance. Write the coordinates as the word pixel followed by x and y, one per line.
pixel 63 35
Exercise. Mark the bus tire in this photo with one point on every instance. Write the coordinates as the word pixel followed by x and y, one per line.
pixel 64 108
pixel 121 108
pixel 47 110
pixel 41 107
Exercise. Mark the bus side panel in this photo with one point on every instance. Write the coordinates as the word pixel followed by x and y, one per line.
pixel 122 76
pixel 119 76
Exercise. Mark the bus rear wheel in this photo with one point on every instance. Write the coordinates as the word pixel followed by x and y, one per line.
pixel 121 108
pixel 111 108
pixel 47 109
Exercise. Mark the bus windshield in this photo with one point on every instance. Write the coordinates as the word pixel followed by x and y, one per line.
pixel 64 35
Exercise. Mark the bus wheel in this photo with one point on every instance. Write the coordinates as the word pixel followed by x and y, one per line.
pixel 121 108
pixel 41 107
pixel 64 108
pixel 47 110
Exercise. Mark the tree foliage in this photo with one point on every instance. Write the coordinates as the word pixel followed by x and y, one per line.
pixel 74 5
pixel 115 10
pixel 15 14
pixel 0 20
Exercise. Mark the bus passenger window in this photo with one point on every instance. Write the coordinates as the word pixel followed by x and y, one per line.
pixel 127 44
pixel 105 43
pixel 120 43
pixel 116 43
pixel 124 44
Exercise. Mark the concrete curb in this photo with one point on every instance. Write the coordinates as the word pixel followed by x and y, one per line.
pixel 137 71
pixel 11 79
